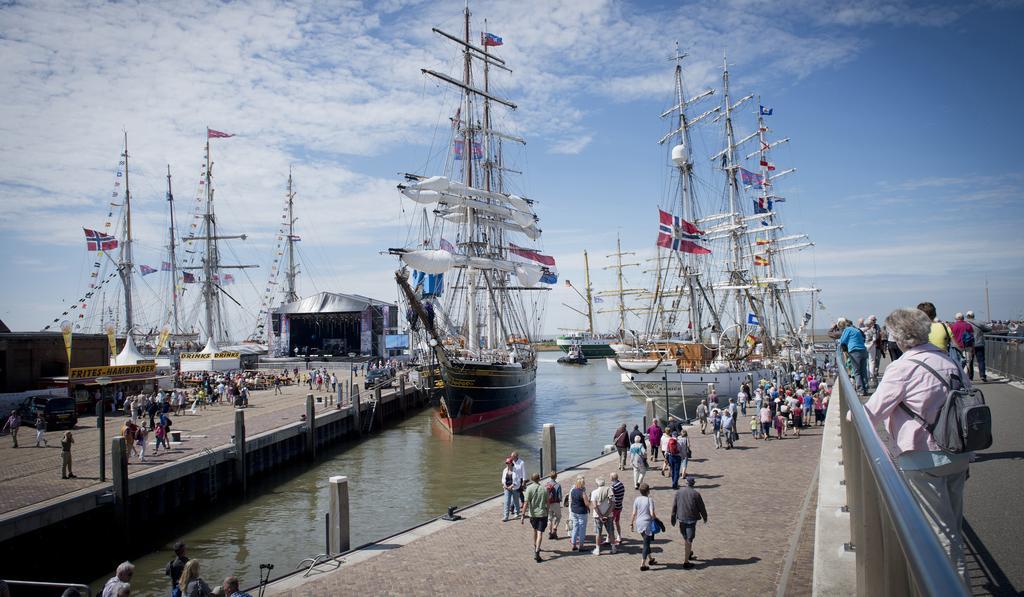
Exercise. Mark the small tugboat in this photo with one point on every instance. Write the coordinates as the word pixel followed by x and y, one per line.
pixel 574 357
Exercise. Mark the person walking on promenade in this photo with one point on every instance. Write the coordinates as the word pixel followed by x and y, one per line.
pixel 755 426
pixel 765 418
pixel 123 575
pixel 635 433
pixel 618 495
pixel 685 453
pixel 939 334
pixel 665 437
pixel 716 427
pixel 687 507
pixel 520 468
pixel 191 584
pixel 914 389
pixel 712 397
pixel 808 405
pixel 742 399
pixel 160 433
pixel 554 491
pixel 40 430
pixel 536 507
pixel 702 416
pixel 13 423
pixel 797 419
pixel 601 502
pixel 175 567
pixel 977 352
pixel 65 456
pixel 643 515
pixel 728 427
pixel 872 341
pixel 638 460
pixel 140 440
pixel 780 424
pixel 579 506
pixel 277 386
pixel 510 485
pixel 621 440
pixel 672 457
pixel 654 437
pixel 851 342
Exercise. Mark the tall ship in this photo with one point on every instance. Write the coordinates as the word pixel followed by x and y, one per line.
pixel 470 276
pixel 586 342
pixel 720 307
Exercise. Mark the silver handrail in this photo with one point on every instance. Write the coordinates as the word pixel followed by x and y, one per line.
pixel 894 543
pixel 83 589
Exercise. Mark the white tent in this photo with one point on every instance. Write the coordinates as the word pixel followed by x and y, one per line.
pixel 129 355
pixel 210 358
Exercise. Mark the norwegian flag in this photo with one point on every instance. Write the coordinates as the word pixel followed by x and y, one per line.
pixel 679 235
pixel 98 241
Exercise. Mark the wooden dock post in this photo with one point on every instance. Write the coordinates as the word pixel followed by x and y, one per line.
pixel 311 430
pixel 401 394
pixel 241 470
pixel 548 457
pixel 379 408
pixel 119 466
pixel 338 535
pixel 357 412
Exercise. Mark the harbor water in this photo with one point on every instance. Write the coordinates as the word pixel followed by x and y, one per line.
pixel 406 475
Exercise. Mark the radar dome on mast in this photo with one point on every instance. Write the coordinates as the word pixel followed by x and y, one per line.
pixel 679 155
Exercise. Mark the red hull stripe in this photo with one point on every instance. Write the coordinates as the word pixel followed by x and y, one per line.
pixel 460 424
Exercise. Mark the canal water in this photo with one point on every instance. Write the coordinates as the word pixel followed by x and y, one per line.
pixel 402 477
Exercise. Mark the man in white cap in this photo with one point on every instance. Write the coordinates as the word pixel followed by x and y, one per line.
pixel 977 352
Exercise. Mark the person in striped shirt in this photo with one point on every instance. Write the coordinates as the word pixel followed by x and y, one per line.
pixel 618 493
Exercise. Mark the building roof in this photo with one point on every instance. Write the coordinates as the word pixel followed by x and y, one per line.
pixel 330 302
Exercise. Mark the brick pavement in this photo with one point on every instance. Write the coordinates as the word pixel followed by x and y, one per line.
pixel 31 475
pixel 754 495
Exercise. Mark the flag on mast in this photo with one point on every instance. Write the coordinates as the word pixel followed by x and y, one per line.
pixel 679 235
pixel 212 134
pixel 99 241
pixel 766 111
pixel 146 270
pixel 490 39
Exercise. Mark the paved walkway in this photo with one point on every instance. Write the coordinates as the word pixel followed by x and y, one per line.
pixel 757 497
pixel 31 475
pixel 993 518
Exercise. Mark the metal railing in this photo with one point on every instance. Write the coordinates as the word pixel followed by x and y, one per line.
pixel 1005 354
pixel 897 551
pixel 84 590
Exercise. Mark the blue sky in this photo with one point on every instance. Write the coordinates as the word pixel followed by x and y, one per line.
pixel 903 117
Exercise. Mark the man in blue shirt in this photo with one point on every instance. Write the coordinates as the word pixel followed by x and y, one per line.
pixel 851 342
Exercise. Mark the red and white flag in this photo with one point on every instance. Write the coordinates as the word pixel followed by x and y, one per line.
pixel 212 134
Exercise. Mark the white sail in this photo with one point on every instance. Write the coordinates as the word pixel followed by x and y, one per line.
pixel 433 261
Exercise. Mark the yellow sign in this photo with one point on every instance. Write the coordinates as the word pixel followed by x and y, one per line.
pixel 112 371
pixel 205 355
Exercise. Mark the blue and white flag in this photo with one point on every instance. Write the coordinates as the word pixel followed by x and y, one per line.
pixel 752 319
pixel 766 111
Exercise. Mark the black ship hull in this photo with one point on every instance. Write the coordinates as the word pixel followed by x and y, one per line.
pixel 476 395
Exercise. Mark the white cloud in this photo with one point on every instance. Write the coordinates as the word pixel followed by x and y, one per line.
pixel 571 146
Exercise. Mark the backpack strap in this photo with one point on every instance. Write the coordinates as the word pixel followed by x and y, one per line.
pixel 903 405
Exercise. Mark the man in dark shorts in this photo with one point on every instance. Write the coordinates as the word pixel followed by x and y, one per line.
pixel 687 508
pixel 536 507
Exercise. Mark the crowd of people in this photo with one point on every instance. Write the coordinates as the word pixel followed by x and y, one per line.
pixel 793 400
pixel 184 575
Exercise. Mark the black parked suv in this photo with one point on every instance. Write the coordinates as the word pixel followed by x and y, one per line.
pixel 58 411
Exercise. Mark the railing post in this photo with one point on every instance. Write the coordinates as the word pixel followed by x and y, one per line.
pixel 871 547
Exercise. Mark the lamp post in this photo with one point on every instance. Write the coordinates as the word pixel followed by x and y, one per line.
pixel 101 422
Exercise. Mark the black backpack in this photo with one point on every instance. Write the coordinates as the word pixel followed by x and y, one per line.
pixel 964 423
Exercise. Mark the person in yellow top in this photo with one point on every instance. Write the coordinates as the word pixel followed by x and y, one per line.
pixel 940 334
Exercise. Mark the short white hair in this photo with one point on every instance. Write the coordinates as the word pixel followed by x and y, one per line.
pixel 908 327
pixel 970 315
pixel 600 481
pixel 959 316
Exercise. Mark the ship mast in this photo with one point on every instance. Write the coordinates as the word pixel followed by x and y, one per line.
pixel 174 261
pixel 590 298
pixel 125 267
pixel 621 291
pixel 290 293
pixel 736 272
